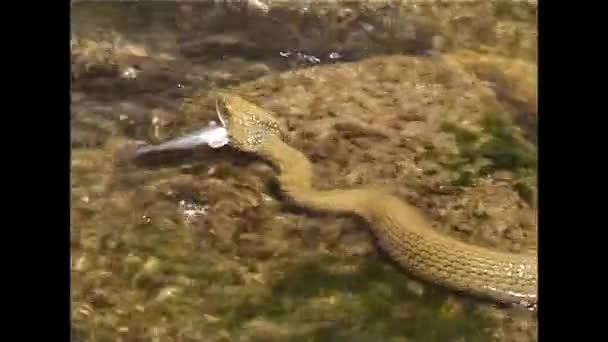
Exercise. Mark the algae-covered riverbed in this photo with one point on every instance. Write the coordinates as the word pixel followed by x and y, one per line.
pixel 434 102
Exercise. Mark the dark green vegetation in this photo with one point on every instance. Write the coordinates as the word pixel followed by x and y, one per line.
pixel 503 146
pixel 506 148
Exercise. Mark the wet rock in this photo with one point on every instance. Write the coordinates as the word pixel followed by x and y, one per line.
pixel 166 293
pixel 451 308
pixel 100 298
pixel 415 288
pixel 81 264
pixel 133 263
pixel 219 46
pixel 88 137
pixel 414 129
pixel 263 330
pixel 152 266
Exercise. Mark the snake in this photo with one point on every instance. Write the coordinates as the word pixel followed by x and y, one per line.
pixel 400 229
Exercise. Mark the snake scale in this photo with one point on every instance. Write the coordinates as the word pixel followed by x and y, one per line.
pixel 401 230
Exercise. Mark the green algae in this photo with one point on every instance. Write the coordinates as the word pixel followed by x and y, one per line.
pixel 502 146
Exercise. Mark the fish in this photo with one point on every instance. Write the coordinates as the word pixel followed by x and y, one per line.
pixel 212 135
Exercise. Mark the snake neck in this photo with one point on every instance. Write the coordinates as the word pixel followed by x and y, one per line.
pixel 296 181
pixel 296 177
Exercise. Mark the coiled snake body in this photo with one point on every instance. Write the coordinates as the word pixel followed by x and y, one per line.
pixel 402 231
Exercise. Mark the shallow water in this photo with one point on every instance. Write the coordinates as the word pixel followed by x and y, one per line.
pixel 197 246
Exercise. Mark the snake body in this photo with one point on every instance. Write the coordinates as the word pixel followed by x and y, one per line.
pixel 401 230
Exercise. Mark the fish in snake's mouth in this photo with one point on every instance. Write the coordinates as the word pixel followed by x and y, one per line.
pixel 212 135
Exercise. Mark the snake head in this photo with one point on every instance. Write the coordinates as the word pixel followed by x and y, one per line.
pixel 248 125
